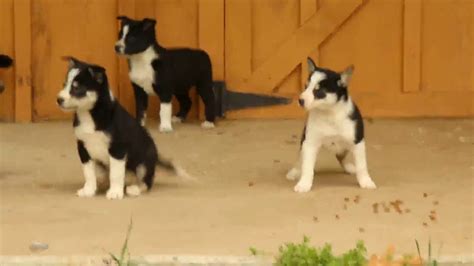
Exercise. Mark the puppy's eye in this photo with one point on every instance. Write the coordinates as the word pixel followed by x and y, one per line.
pixel 132 39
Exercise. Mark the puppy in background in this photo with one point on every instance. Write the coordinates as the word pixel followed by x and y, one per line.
pixel 108 138
pixel 333 122
pixel 155 70
pixel 5 62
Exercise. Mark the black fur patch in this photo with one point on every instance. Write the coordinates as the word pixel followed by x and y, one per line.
pixel 359 124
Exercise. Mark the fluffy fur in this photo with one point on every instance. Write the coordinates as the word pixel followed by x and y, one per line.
pixel 335 123
pixel 155 70
pixel 108 138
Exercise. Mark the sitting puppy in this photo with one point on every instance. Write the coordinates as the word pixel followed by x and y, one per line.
pixel 5 62
pixel 155 70
pixel 333 122
pixel 107 136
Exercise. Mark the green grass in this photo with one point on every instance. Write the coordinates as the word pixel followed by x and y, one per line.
pixel 124 259
pixel 430 261
pixel 303 254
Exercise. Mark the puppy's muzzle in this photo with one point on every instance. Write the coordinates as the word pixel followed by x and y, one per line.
pixel 301 102
pixel 118 48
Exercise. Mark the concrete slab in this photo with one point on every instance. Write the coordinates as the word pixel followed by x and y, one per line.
pixel 243 199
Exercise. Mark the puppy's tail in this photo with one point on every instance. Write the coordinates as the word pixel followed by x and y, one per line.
pixel 173 167
pixel 5 61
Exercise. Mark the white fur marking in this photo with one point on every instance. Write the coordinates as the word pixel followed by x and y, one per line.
pixel 165 117
pixel 121 42
pixel 95 142
pixel 140 172
pixel 141 70
pixel 133 191
pixel 309 152
pixel 207 125
pixel 117 178
pixel 90 186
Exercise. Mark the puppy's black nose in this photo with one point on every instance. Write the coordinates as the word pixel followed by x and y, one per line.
pixel 60 100
pixel 117 48
pixel 301 102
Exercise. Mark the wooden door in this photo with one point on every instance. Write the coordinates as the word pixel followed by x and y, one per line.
pixel 86 29
pixel 399 48
pixel 7 98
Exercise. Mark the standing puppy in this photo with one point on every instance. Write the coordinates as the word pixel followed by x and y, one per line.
pixel 333 122
pixel 155 70
pixel 108 138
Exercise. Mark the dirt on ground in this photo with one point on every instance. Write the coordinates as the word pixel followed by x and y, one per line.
pixel 423 169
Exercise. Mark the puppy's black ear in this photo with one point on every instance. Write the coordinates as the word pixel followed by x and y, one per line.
pixel 311 65
pixel 73 62
pixel 346 76
pixel 98 73
pixel 148 23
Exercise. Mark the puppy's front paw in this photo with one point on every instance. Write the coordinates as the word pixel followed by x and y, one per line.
pixel 367 182
pixel 176 119
pixel 166 128
pixel 86 192
pixel 293 174
pixel 207 125
pixel 115 193
pixel 303 186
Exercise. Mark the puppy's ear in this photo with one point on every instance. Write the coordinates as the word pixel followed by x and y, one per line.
pixel 98 73
pixel 148 23
pixel 73 62
pixel 311 65
pixel 346 76
pixel 5 61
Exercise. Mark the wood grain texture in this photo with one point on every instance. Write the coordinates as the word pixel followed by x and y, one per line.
pixel 411 45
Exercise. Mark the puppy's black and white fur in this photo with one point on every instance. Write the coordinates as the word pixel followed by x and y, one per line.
pixel 5 62
pixel 108 138
pixel 155 70
pixel 333 122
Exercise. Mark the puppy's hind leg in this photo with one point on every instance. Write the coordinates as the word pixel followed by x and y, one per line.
pixel 206 93
pixel 295 172
pixel 363 177
pixel 345 162
pixel 143 182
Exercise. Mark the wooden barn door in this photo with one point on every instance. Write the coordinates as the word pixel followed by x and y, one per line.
pixel 411 57
pixel 85 29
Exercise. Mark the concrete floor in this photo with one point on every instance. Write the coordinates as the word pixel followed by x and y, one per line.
pixel 243 198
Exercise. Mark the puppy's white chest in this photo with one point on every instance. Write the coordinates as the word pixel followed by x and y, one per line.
pixel 142 74
pixel 95 142
pixel 141 69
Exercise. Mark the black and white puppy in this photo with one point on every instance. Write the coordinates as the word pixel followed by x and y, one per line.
pixel 333 122
pixel 108 138
pixel 155 70
pixel 5 62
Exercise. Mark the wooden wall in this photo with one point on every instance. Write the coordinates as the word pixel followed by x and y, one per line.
pixel 413 58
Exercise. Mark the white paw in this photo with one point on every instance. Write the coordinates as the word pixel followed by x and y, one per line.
pixel 133 191
pixel 293 174
pixel 86 192
pixel 303 186
pixel 176 120
pixel 115 193
pixel 350 168
pixel 142 122
pixel 366 182
pixel 207 125
pixel 166 128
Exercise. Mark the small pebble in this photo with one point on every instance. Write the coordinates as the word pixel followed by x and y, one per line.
pixel 425 195
pixel 435 202
pixel 251 184
pixel 375 207
pixel 425 224
pixel 407 210
pixel 337 217
pixel 276 161
pixel 315 219
pixel 346 199
pixel 38 246
pixel 361 230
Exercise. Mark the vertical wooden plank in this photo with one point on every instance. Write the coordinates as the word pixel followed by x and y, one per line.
pixel 125 90
pixel 7 97
pixel 411 45
pixel 22 39
pixel 211 38
pixel 238 41
pixel 307 9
